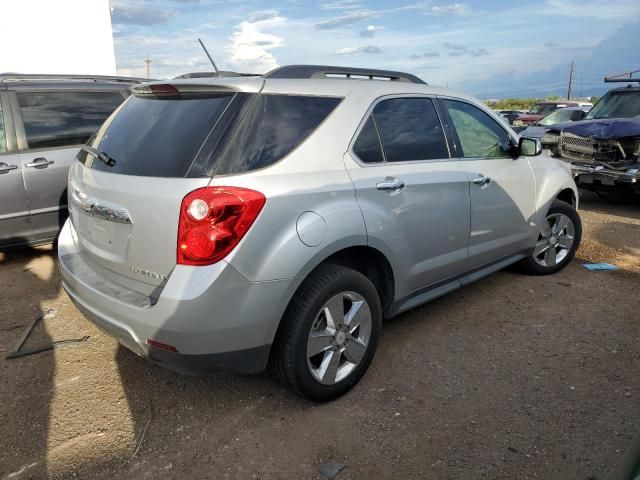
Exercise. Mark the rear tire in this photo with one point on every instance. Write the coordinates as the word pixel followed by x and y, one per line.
pixel 337 312
pixel 557 242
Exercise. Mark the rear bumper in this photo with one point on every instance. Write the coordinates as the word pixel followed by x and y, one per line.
pixel 215 318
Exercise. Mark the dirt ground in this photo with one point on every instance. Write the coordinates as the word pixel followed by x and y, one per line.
pixel 512 377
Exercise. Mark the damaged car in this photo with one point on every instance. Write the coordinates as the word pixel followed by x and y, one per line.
pixel 604 148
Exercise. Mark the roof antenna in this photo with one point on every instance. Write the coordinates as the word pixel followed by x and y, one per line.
pixel 209 56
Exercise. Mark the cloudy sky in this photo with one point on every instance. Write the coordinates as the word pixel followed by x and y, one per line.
pixel 496 48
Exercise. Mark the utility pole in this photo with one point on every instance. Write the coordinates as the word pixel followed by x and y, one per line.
pixel 148 62
pixel 570 81
pixel 581 73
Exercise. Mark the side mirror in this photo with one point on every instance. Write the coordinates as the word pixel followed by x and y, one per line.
pixel 529 147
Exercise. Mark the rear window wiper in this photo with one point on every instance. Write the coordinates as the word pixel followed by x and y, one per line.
pixel 103 157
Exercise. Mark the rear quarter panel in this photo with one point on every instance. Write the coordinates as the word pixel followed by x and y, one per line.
pixel 312 178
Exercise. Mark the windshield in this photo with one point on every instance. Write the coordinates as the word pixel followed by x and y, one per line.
pixel 561 115
pixel 618 104
pixel 543 108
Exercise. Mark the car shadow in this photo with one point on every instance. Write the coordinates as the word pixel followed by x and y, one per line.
pixel 619 204
pixel 28 283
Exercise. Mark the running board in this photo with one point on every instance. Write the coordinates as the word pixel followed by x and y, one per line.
pixel 439 289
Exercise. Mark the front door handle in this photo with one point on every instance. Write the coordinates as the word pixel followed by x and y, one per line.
pixel 482 180
pixel 5 168
pixel 39 163
pixel 390 184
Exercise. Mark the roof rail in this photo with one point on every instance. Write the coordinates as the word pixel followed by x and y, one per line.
pixel 326 71
pixel 623 77
pixel 34 77
pixel 220 74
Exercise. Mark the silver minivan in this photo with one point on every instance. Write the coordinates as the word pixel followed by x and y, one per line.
pixel 237 223
pixel 44 119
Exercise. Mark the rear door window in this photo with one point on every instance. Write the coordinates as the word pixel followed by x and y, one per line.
pixel 57 119
pixel 410 129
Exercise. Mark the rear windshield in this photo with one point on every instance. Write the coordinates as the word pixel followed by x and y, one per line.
pixel 155 137
pixel 223 134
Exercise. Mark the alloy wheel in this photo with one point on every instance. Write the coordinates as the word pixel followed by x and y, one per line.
pixel 339 338
pixel 555 241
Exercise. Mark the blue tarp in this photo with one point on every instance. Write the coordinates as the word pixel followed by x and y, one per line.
pixel 594 267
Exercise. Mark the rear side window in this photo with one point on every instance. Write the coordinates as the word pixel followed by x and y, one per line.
pixel 3 137
pixel 367 147
pixel 273 127
pixel 57 119
pixel 409 129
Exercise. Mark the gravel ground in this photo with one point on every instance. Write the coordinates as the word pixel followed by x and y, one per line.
pixel 512 377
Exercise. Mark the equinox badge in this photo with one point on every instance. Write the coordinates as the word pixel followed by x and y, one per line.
pixel 147 273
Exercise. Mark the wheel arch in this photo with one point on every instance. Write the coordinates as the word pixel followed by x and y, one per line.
pixel 567 195
pixel 373 264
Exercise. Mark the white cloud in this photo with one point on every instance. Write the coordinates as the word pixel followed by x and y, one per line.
pixel 368 49
pixel 263 15
pixel 251 44
pixel 348 18
pixel 123 14
pixel 451 9
pixel 626 9
pixel 341 4
pixel 370 31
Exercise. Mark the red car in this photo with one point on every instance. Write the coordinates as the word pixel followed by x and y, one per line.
pixel 540 110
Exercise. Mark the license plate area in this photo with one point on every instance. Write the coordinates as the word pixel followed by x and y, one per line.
pixel 104 238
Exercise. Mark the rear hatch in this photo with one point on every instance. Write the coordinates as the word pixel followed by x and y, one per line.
pixel 126 189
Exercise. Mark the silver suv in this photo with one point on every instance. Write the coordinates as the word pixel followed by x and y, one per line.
pixel 237 223
pixel 44 119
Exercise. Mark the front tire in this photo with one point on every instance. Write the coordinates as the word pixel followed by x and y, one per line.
pixel 328 334
pixel 557 241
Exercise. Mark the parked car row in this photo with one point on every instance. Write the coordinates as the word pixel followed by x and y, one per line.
pixel 542 109
pixel 562 115
pixel 44 119
pixel 510 115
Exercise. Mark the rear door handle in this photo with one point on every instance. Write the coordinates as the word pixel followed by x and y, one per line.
pixel 39 163
pixel 390 184
pixel 481 180
pixel 5 168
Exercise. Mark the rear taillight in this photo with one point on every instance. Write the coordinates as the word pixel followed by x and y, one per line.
pixel 212 222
